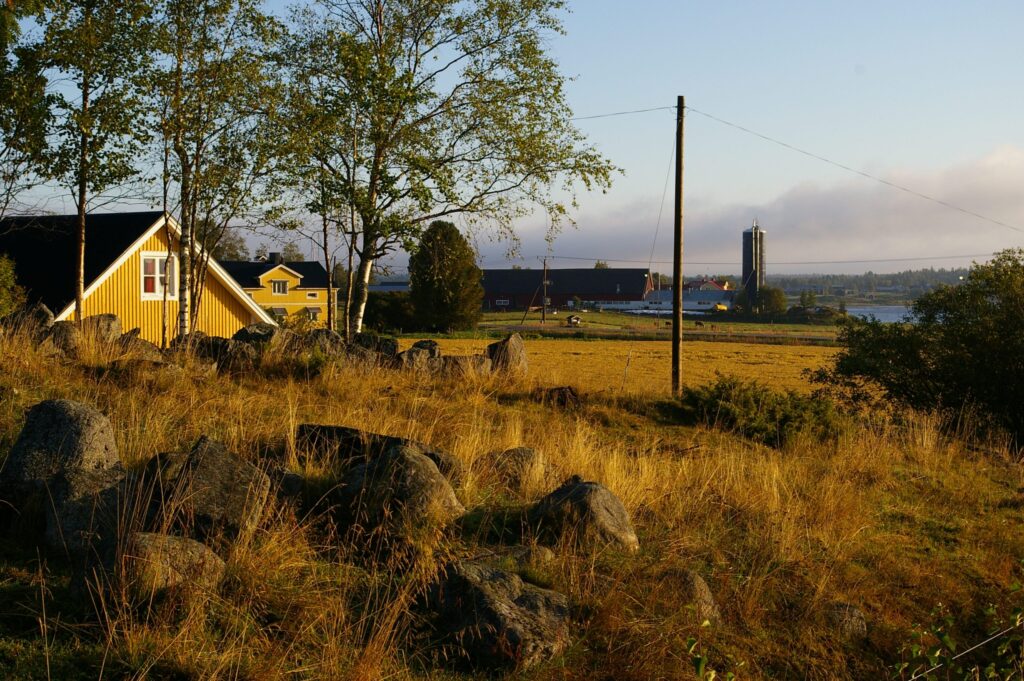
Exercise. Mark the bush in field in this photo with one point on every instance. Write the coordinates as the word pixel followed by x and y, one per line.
pixel 12 296
pixel 962 353
pixel 389 312
pixel 759 413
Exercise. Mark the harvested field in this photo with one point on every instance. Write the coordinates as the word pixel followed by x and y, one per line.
pixel 602 364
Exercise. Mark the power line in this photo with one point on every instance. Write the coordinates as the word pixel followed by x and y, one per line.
pixel 792 262
pixel 847 168
pixel 621 113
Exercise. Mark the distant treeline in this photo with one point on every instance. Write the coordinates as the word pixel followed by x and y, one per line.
pixel 870 282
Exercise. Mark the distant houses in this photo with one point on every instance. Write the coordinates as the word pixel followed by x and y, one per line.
pixel 288 290
pixel 518 289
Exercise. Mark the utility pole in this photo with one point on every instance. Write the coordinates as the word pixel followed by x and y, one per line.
pixel 677 255
pixel 544 295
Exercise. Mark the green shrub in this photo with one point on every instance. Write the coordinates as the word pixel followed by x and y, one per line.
pixel 12 296
pixel 389 313
pixel 759 413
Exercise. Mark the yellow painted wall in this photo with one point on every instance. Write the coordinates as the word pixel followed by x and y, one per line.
pixel 220 312
pixel 295 301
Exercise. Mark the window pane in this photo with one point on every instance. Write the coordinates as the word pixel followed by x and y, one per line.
pixel 149 284
pixel 170 277
pixel 148 266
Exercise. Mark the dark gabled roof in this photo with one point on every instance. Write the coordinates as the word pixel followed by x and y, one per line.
pixel 248 274
pixel 43 250
pixel 589 283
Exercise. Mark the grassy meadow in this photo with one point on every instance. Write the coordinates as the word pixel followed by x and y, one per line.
pixel 644 367
pixel 893 517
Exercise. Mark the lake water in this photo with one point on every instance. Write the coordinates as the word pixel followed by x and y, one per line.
pixel 884 313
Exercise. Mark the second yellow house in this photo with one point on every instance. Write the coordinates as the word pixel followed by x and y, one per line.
pixel 290 291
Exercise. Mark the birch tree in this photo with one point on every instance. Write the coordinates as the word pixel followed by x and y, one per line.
pixel 447 108
pixel 98 52
pixel 24 122
pixel 219 92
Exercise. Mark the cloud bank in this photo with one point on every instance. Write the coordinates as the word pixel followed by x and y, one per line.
pixel 809 226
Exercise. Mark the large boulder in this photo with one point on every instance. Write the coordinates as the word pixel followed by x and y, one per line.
pixel 516 468
pixel 230 355
pixel 266 337
pixel 103 328
pixel 347 446
pixel 431 346
pixel 206 494
pixel 461 366
pixel 134 347
pixel 397 494
pixel 508 355
pixel 34 319
pixel 848 622
pixel 325 342
pixel 493 620
pixel 65 466
pixel 415 359
pixel 387 347
pixel 65 337
pixel 155 563
pixel 586 512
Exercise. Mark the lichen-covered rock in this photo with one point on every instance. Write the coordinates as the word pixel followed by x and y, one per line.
pixel 382 345
pixel 347 446
pixel 586 512
pixel 461 366
pixel 208 493
pixel 518 467
pixel 493 620
pixel 431 346
pixel 266 337
pixel 65 464
pixel 154 563
pixel 65 337
pixel 399 492
pixel 134 347
pixel 325 342
pixel 848 622
pixel 508 355
pixel 103 328
pixel 34 319
pixel 694 593
pixel 415 359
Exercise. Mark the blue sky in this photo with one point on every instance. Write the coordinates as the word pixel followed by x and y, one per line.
pixel 927 94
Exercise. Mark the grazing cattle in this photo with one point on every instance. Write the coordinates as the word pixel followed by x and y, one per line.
pixel 699 325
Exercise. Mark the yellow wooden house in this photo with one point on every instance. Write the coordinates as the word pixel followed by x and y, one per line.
pixel 289 291
pixel 126 258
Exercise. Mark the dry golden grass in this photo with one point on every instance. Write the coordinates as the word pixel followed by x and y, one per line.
pixel 645 366
pixel 892 519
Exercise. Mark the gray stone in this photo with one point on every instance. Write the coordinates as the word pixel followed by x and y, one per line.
pixel 154 563
pixel 388 347
pixel 266 337
pixel 103 328
pixel 415 359
pixel 324 342
pixel 848 622
pixel 588 513
pixel 348 446
pixel 431 346
pixel 208 493
pixel 66 459
pixel 694 592
pixel 508 355
pixel 34 319
pixel 517 467
pixel 399 492
pixel 462 366
pixel 493 620
pixel 134 347
pixel 66 337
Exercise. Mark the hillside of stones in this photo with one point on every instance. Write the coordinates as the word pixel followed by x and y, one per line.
pixel 286 505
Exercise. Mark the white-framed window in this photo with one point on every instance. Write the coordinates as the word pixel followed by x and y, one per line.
pixel 156 275
pixel 312 295
pixel 279 287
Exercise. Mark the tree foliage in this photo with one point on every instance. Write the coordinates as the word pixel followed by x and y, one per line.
pixel 12 296
pixel 962 352
pixel 25 119
pixel 445 281
pixel 446 107
pixel 771 301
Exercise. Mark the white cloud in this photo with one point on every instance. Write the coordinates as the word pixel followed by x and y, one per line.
pixel 858 219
